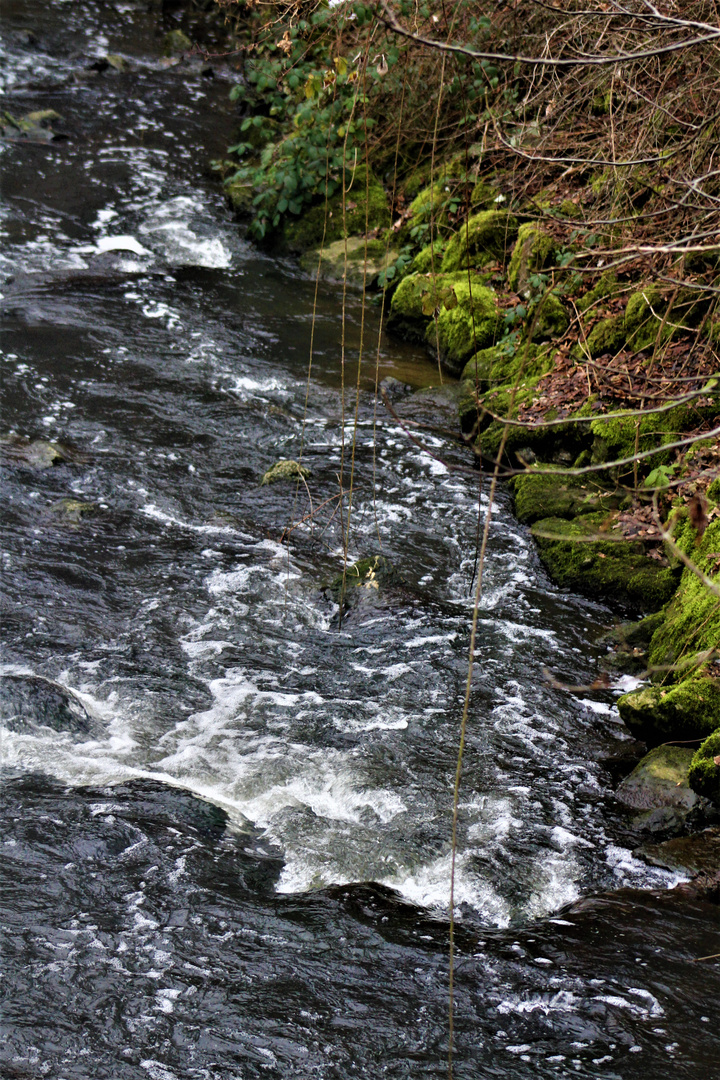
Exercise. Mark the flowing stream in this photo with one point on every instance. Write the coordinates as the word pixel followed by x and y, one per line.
pixel 226 815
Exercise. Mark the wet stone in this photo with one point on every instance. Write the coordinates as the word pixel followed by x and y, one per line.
pixel 29 702
pixel 699 853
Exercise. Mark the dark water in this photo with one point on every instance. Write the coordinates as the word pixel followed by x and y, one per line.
pixel 162 643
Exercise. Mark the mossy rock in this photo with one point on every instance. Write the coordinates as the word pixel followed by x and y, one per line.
pixel 692 620
pixel 485 238
pixel 503 401
pixel 544 493
pixel 704 775
pixel 364 210
pixel 474 322
pixel 689 710
pixel 547 319
pixel 240 196
pixel 608 570
pixel 414 296
pixel 659 779
pixel 614 436
pixel 423 261
pixel 285 470
pixel 534 251
pixel 484 196
pixel 605 287
pixel 356 260
pixel 502 363
pixel 176 42
pixel 607 336
pixel 643 319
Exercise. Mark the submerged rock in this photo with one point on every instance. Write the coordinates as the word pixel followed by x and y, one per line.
pixel 72 511
pixel 29 702
pixel 355 260
pixel 285 470
pixel 176 42
pixel 39 454
pixel 366 577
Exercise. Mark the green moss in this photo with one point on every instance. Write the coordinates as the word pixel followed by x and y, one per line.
pixel 605 287
pixel 689 710
pixel 484 196
pixel 605 569
pixel 365 260
pixel 548 318
pixel 364 210
pixel 474 322
pixel 502 363
pixel 484 238
pixel 285 470
pixel 704 775
pixel 542 493
pixel 614 437
pixel 503 403
pixel 643 318
pixel 534 251
pixel 423 261
pixel 608 336
pixel 570 209
pixel 692 620
pixel 416 292
pixel 240 197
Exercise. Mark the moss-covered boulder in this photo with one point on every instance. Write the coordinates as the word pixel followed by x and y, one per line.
pixel 355 260
pixel 366 208
pixel 643 318
pixel 484 238
pixel 659 779
pixel 692 621
pixel 547 319
pixel 428 258
pixel 470 324
pixel 507 360
pixel 534 251
pixel 611 569
pixel 704 775
pixel 414 300
pixel 689 710
pixel 285 470
pixel 544 493
pixel 607 336
pixel 484 196
pixel 614 436
pixel 605 287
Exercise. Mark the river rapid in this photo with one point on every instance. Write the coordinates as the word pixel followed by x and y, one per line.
pixel 225 814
